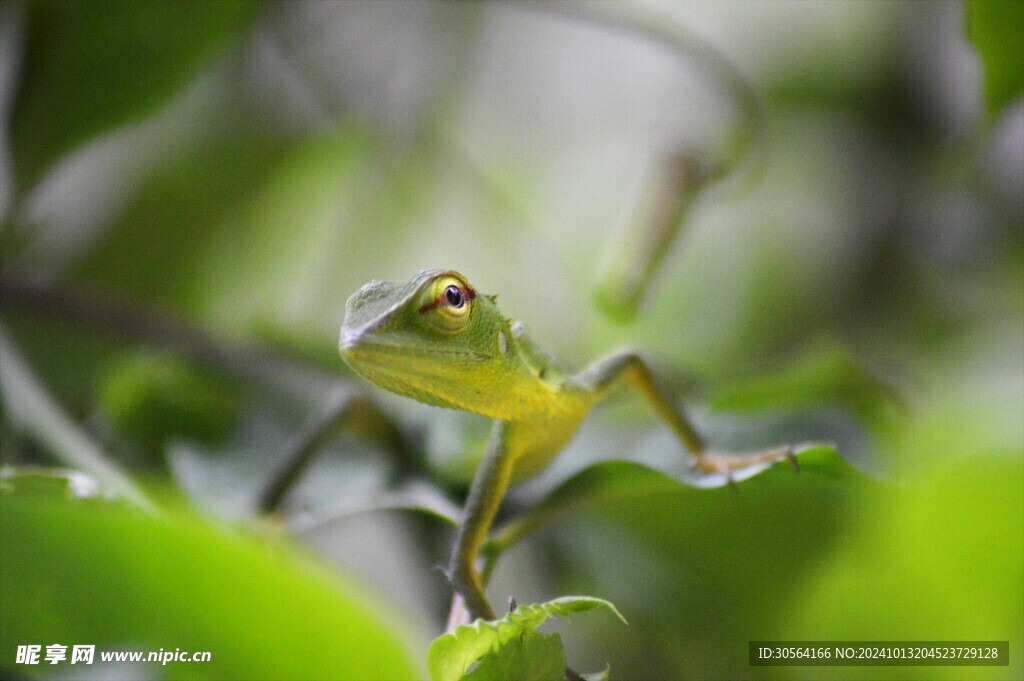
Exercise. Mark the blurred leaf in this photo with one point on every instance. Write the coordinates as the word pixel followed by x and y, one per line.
pixel 703 569
pixel 68 358
pixel 90 66
pixel 95 572
pixel 150 253
pixel 611 481
pixel 969 402
pixel 453 653
pixel 417 497
pixel 824 375
pixel 534 656
pixel 939 558
pixel 29 408
pixel 155 396
pixel 47 483
pixel 995 28
pixel 235 232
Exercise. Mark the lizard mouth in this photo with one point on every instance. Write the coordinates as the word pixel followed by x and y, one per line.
pixel 412 372
pixel 416 371
pixel 357 349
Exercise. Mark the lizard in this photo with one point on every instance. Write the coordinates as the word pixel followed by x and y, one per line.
pixel 437 340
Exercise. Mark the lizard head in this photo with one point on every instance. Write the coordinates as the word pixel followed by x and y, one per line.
pixel 432 338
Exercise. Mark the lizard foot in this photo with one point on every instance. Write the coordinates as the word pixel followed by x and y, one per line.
pixel 725 464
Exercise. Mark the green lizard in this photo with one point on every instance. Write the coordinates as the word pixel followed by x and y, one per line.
pixel 436 340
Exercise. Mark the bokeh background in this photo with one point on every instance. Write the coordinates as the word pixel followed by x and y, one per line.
pixel 190 191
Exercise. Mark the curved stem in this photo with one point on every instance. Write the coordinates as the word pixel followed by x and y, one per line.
pixel 301 453
pixel 681 173
pixel 647 22
pixel 122 317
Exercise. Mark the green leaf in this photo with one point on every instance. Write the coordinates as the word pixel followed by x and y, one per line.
pixel 611 481
pixel 416 497
pixel 940 556
pixel 151 252
pixel 534 656
pixel 602 675
pixel 704 569
pixel 452 654
pixel 995 28
pixel 232 233
pixel 88 571
pixel 90 66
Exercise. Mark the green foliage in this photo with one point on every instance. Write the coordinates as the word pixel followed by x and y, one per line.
pixel 452 654
pixel 93 65
pixel 995 28
pixel 614 481
pixel 153 250
pixel 81 569
pixel 217 231
pixel 254 228
pixel 956 531
pixel 701 569
pixel 530 656
pixel 152 397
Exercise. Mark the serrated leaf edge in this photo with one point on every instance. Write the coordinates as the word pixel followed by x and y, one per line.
pixel 491 634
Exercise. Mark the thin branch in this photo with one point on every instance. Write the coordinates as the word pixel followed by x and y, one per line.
pixel 30 408
pixel 416 497
pixel 647 22
pixel 680 175
pixel 126 319
pixel 306 446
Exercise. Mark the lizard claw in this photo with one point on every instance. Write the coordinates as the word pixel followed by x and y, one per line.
pixel 791 455
pixel 725 464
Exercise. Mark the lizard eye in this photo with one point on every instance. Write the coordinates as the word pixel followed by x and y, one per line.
pixel 454 297
pixel 448 303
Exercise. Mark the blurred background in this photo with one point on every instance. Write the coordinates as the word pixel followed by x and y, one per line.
pixel 190 191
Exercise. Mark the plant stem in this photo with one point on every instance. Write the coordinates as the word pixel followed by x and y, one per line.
pixel 645 21
pixel 301 453
pixel 126 319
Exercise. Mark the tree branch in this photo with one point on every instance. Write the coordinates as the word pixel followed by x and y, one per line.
pixel 126 319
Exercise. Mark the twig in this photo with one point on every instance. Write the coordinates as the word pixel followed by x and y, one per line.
pixel 306 446
pixel 680 175
pixel 647 22
pixel 126 319
pixel 414 496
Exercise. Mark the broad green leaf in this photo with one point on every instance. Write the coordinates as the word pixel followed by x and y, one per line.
pixel 534 656
pixel 151 252
pixel 939 558
pixel 702 569
pixel 89 571
pixel 233 232
pixel 452 654
pixel 612 481
pixel 90 66
pixel 995 28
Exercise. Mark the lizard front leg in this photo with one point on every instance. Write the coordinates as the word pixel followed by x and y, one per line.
pixel 604 375
pixel 489 485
